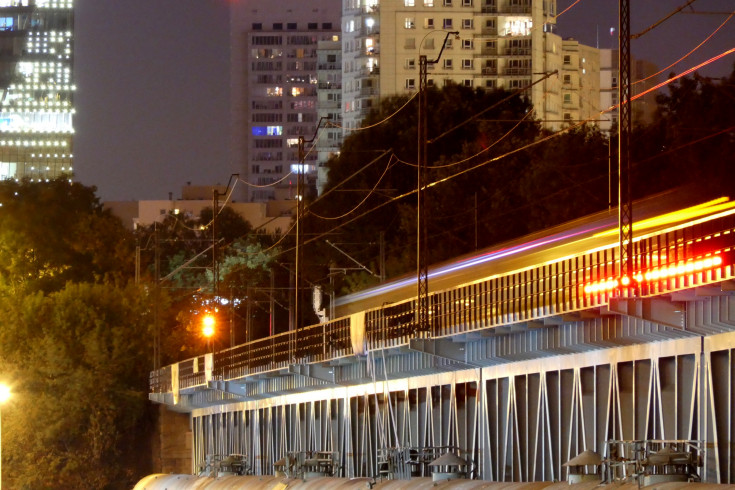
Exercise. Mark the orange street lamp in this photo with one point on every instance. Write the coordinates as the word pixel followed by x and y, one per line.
pixel 4 396
pixel 208 324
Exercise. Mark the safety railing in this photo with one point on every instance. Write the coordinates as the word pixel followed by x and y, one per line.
pixel 663 262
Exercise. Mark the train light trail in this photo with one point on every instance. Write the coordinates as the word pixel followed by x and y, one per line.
pixel 675 270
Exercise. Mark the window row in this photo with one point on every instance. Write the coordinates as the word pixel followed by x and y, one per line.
pixel 293 26
pixel 448 23
pixel 445 3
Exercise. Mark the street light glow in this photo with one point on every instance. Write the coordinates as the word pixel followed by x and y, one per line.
pixel 208 321
pixel 4 393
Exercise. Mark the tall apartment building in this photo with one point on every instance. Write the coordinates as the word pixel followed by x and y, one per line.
pixel 36 77
pixel 274 66
pixel 506 44
pixel 580 77
pixel 329 104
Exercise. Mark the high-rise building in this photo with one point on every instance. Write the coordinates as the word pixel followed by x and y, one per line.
pixel 580 88
pixel 329 106
pixel 36 77
pixel 274 80
pixel 508 44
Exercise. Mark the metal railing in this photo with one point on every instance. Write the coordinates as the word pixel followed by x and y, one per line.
pixel 534 293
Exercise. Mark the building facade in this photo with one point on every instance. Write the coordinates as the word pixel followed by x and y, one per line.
pixel 329 103
pixel 274 96
pixel 580 83
pixel 36 77
pixel 509 44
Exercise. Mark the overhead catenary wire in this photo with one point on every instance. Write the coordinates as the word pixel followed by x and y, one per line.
pixel 494 159
pixel 387 167
pixel 690 52
pixel 386 119
pixel 512 94
pixel 514 151
pixel 661 21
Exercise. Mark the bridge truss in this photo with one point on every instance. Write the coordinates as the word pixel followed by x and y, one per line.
pixel 523 369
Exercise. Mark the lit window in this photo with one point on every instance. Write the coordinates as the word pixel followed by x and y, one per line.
pixel 410 23
pixel 428 3
pixel 408 3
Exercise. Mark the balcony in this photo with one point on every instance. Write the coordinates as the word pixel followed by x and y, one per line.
pixel 330 85
pixel 515 9
pixel 517 71
pixel 517 51
pixel 485 52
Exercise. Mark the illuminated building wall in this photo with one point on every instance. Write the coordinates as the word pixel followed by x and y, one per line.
pixel 329 76
pixel 501 44
pixel 36 77
pixel 274 65
pixel 580 77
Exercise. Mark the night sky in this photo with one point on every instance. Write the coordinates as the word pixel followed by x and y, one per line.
pixel 153 82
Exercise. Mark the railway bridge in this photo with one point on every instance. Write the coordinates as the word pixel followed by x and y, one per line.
pixel 536 351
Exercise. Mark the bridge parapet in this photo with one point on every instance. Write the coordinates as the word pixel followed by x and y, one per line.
pixel 545 300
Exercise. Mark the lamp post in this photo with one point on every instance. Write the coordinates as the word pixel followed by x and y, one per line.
pixel 4 396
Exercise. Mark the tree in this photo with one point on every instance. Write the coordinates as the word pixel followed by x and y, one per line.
pixel 74 341
pixel 468 128
pixel 55 232
pixel 79 407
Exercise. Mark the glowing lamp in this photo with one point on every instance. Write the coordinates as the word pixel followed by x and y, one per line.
pixel 208 323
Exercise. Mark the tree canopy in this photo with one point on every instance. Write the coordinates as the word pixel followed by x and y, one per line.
pixel 74 341
pixel 495 174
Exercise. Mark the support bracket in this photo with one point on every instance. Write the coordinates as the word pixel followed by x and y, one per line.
pixel 657 310
pixel 228 387
pixel 448 349
pixel 314 371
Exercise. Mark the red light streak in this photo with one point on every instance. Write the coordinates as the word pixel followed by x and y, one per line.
pixel 666 272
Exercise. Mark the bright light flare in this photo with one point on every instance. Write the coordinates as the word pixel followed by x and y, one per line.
pixel 4 393
pixel 674 270
pixel 208 323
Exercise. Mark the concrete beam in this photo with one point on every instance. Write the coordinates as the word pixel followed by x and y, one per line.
pixel 657 310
